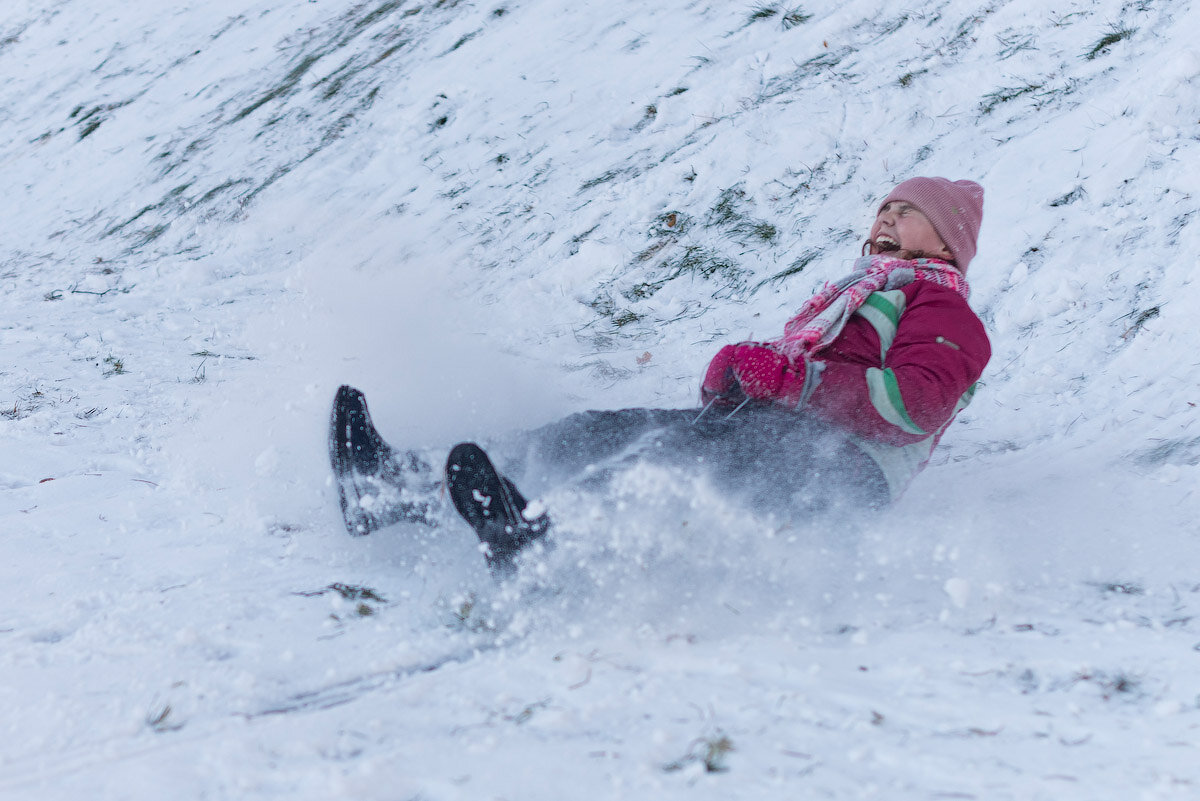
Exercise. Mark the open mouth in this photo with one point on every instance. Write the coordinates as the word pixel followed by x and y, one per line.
pixel 885 244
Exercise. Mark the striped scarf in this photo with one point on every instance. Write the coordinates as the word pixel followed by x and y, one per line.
pixel 822 318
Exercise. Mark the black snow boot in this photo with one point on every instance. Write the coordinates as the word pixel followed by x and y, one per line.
pixel 492 505
pixel 372 478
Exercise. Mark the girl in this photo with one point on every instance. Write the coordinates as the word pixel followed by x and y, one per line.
pixel 841 411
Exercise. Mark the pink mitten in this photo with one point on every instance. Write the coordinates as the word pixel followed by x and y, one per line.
pixel 766 374
pixel 719 382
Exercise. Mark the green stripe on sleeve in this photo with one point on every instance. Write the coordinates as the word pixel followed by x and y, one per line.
pixel 879 301
pixel 882 310
pixel 885 395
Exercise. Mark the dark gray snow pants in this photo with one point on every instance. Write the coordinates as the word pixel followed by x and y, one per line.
pixel 774 459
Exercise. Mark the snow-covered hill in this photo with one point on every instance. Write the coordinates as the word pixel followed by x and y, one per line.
pixel 488 215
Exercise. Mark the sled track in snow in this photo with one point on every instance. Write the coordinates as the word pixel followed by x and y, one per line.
pixel 350 690
pixel 40 769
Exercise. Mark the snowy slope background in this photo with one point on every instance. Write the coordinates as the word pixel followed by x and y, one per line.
pixel 490 215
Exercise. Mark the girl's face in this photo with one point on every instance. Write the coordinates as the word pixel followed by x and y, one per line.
pixel 901 227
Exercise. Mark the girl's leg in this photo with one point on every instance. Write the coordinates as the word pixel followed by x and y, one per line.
pixel 589 445
pixel 377 485
pixel 779 460
pixel 775 459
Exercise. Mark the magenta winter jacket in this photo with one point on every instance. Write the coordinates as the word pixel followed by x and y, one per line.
pixel 901 369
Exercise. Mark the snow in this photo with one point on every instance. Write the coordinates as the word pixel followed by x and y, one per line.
pixel 488 216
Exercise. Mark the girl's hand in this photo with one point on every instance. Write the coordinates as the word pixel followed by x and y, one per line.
pixel 753 370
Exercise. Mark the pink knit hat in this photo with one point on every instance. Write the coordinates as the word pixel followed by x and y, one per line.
pixel 955 208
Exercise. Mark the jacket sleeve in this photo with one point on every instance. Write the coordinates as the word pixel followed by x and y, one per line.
pixel 911 389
